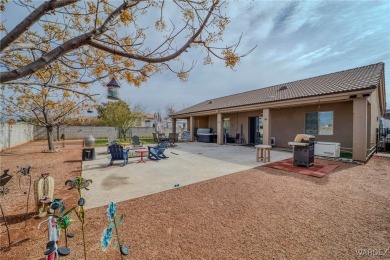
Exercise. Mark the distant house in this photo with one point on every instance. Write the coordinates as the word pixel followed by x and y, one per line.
pixel 385 121
pixel 343 107
pixel 147 120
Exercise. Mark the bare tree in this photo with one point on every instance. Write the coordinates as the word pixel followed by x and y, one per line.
pixel 101 38
pixel 42 106
pixel 169 109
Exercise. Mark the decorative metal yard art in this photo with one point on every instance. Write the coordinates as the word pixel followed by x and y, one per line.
pixel 80 183
pixel 112 89
pixel 56 223
pixel 105 241
pixel 43 190
pixel 63 222
pixel 10 123
pixel 4 179
pixel 25 172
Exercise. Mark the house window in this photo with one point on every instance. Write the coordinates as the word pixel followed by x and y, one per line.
pixel 319 123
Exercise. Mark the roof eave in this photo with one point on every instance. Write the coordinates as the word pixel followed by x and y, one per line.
pixel 280 103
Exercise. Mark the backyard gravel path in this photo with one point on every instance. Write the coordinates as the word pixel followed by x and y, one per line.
pixel 260 213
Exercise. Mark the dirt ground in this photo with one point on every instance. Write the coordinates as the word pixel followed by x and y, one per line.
pixel 260 213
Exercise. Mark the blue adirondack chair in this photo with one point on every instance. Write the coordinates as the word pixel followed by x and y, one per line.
pixel 157 152
pixel 118 153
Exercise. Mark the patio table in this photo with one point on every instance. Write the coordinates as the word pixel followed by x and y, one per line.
pixel 141 152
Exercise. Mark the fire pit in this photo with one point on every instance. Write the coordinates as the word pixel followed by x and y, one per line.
pixel 303 150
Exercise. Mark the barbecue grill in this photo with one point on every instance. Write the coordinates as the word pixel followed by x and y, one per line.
pixel 303 150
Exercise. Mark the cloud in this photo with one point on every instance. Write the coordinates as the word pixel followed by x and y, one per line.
pixel 296 40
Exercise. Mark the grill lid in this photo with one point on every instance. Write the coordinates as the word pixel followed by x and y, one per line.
pixel 304 138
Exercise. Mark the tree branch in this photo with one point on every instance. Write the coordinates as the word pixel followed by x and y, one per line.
pixel 51 86
pixel 31 19
pixel 154 60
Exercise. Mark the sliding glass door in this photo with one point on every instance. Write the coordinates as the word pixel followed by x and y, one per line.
pixel 255 130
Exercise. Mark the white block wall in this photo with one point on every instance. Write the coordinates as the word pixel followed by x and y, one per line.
pixel 17 134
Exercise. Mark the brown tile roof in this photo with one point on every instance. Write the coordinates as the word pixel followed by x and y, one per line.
pixel 343 81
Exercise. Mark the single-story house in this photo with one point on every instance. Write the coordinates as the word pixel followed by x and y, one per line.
pixel 343 107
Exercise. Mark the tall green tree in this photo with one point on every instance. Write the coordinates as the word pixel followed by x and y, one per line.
pixel 119 114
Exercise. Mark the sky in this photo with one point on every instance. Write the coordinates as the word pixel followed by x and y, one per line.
pixel 295 40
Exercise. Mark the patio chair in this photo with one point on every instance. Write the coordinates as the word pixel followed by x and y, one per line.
pixel 118 153
pixel 110 143
pixel 185 135
pixel 136 143
pixel 173 138
pixel 162 138
pixel 157 152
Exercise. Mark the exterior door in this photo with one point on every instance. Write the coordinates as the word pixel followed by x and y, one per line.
pixel 255 130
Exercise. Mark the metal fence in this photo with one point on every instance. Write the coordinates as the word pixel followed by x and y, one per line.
pixel 383 140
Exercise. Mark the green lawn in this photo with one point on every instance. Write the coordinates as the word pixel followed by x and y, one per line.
pixel 103 142
pixel 346 155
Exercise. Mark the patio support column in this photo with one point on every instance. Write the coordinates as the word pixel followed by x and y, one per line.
pixel 267 126
pixel 174 125
pixel 359 137
pixel 219 129
pixel 192 128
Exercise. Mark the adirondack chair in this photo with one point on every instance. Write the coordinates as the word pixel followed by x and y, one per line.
pixel 110 143
pixel 118 153
pixel 173 138
pixel 136 143
pixel 157 152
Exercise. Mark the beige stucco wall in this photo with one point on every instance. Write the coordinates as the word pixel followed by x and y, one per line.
pixel 213 122
pixel 288 122
pixel 202 122
pixel 375 114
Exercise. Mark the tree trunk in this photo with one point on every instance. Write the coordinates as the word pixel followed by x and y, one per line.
pixel 124 134
pixel 49 130
pixel 58 132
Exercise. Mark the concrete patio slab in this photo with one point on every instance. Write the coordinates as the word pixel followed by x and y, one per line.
pixel 188 163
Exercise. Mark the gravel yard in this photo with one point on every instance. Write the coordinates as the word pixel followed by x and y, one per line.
pixel 260 213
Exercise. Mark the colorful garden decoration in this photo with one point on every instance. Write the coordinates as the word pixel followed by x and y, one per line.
pixel 63 222
pixel 80 183
pixel 4 179
pixel 44 193
pixel 56 223
pixel 112 89
pixel 108 235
